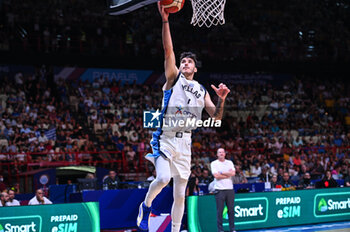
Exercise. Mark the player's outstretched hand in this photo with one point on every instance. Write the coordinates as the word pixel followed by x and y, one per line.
pixel 162 12
pixel 222 91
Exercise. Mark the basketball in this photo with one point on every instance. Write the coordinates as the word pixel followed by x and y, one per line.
pixel 172 6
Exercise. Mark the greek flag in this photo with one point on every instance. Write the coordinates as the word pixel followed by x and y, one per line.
pixel 51 134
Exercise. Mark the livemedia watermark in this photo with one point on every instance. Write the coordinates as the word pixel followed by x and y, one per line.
pixel 155 119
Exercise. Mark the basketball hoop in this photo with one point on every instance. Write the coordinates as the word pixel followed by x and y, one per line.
pixel 208 12
pixel 205 12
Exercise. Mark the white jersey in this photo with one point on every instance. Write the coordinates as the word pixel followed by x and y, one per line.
pixel 183 102
pixel 183 105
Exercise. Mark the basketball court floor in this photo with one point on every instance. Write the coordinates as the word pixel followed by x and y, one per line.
pixel 326 227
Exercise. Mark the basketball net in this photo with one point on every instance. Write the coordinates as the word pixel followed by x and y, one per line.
pixel 208 12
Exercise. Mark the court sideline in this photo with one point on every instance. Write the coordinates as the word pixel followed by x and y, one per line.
pixel 326 227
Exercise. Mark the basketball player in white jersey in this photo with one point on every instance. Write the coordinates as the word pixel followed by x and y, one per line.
pixel 171 144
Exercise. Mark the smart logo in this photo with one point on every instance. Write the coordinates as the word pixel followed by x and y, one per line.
pixel 332 204
pixel 322 205
pixel 19 225
pixel 249 210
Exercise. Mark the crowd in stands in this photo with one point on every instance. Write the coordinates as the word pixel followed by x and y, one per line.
pixel 254 30
pixel 294 135
pixel 301 126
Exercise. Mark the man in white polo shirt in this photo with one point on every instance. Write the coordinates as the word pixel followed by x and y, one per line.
pixel 12 201
pixel 223 169
pixel 39 199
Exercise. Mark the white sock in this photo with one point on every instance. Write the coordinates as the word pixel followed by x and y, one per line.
pixel 175 227
pixel 177 211
pixel 162 179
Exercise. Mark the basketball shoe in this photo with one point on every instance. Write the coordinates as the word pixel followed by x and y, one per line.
pixel 143 217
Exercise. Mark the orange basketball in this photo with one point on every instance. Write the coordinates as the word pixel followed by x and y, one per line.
pixel 172 6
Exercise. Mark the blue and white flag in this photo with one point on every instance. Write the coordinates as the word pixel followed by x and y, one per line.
pixel 51 134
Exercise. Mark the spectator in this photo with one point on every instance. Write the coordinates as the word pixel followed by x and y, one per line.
pixel 192 186
pixel 39 199
pixel 303 169
pixel 345 171
pixel 336 174
pixel 85 155
pixel 274 168
pixel 255 170
pixel 130 158
pixel 112 181
pixel 239 178
pixel 280 174
pixel 104 156
pixel 318 170
pixel 43 138
pixel 69 156
pixel 16 188
pixel 4 198
pixel 305 182
pixel 327 181
pixel 297 160
pixel 264 175
pixel 205 178
pixel 61 139
pixel 96 159
pixel 298 142
pixel 274 181
pixel 90 176
pixel 285 182
pixel 11 200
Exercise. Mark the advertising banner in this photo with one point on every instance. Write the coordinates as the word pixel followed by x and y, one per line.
pixel 119 207
pixel 272 209
pixel 51 218
pixel 91 74
pixel 11 70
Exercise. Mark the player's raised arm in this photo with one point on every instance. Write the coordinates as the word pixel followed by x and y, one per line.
pixel 171 70
pixel 217 111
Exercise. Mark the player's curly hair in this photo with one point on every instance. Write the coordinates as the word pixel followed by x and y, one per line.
pixel 189 55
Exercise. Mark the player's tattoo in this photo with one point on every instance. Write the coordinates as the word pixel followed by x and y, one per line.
pixel 219 111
